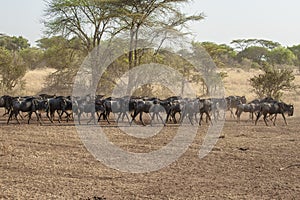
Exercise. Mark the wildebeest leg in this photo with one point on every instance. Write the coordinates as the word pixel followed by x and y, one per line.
pixel 37 114
pixel 49 117
pixel 208 118
pixel 231 113
pixel 6 112
pixel 105 117
pixel 275 117
pixel 251 116
pixel 182 117
pixel 133 116
pixel 29 117
pixel 119 116
pixel 141 118
pixel 258 116
pixel 168 115
pixel 284 118
pixel 238 114
pixel 152 118
pixel 201 117
pixel 191 119
pixel 125 113
pixel 161 119
pixel 265 119
pixel 195 114
pixel 79 116
pixel 16 116
pixel 59 115
pixel 92 118
pixel 10 116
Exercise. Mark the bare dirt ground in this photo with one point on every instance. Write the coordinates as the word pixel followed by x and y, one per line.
pixel 51 162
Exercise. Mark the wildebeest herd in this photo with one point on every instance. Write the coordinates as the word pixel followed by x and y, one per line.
pixel 170 110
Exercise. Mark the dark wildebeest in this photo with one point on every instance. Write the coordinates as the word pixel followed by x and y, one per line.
pixel 189 109
pixel 29 105
pixel 6 103
pixel 253 107
pixel 57 104
pixel 233 101
pixel 250 108
pixel 88 106
pixel 274 108
pixel 147 106
pixel 118 106
pixel 205 107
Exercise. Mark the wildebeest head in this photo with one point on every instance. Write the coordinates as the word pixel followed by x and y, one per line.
pixel 290 110
pixel 287 108
pixel 243 99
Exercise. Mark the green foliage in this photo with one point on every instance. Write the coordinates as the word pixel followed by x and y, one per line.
pixel 254 53
pixel 88 20
pixel 221 54
pixel 281 55
pixel 33 57
pixel 296 51
pixel 12 69
pixel 61 53
pixel 272 83
pixel 242 44
pixel 65 55
pixel 13 43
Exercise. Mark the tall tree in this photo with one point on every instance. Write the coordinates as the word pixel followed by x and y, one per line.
pixel 89 20
pixel 242 44
pixel 164 15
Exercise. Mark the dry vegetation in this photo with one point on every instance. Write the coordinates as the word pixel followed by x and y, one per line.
pixel 250 162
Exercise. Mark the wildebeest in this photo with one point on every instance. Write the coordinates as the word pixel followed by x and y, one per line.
pixel 57 104
pixel 205 108
pixel 274 108
pixel 6 103
pixel 118 106
pixel 233 101
pixel 29 105
pixel 249 108
pixel 253 107
pixel 189 109
pixel 88 105
pixel 147 106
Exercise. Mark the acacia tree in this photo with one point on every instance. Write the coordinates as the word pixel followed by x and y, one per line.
pixel 89 20
pixel 242 44
pixel 273 82
pixel 140 16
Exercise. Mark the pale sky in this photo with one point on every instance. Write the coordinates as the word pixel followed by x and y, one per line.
pixel 225 20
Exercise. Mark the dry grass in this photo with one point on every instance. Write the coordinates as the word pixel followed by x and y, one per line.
pixel 35 80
